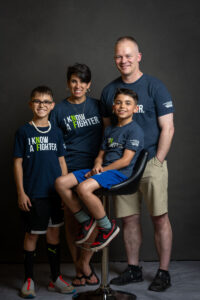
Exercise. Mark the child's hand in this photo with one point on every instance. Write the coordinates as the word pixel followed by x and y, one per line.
pixel 24 202
pixel 88 174
pixel 97 169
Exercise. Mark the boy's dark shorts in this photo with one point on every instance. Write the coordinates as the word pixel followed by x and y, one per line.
pixel 44 213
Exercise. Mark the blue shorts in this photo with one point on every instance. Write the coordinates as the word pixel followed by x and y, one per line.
pixel 105 179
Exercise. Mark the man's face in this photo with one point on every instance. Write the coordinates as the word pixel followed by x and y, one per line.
pixel 127 57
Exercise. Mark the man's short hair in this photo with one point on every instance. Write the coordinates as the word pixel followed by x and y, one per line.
pixel 128 38
pixel 41 90
pixel 127 92
pixel 81 71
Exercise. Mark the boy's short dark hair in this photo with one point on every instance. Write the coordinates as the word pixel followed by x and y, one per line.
pixel 81 71
pixel 127 92
pixel 41 90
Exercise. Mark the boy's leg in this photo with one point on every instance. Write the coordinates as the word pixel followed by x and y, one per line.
pixel 81 257
pixel 107 230
pixel 64 185
pixel 28 289
pixel 93 203
pixel 30 242
pixel 53 250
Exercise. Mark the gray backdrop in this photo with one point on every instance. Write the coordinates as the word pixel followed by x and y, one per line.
pixel 39 39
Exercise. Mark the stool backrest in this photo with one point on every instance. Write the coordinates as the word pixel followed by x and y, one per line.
pixel 130 186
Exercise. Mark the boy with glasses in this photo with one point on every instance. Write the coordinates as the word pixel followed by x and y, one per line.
pixel 38 161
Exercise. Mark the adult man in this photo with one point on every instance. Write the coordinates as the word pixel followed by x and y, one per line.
pixel 155 116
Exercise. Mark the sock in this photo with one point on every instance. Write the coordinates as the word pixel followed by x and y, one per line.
pixel 81 216
pixel 53 252
pixel 104 223
pixel 28 263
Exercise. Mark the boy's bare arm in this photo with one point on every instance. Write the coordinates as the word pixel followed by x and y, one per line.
pixel 123 162
pixel 63 165
pixel 24 201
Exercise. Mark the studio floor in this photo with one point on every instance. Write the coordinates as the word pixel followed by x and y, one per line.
pixel 185 276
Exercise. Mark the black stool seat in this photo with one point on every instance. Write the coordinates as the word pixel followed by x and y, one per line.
pixel 130 186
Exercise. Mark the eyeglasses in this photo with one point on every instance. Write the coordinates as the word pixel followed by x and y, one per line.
pixel 39 102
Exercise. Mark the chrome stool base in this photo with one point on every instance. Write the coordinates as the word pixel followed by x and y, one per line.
pixel 104 294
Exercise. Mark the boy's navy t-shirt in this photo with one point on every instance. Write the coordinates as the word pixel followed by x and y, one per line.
pixel 154 101
pixel 40 153
pixel 117 139
pixel 81 125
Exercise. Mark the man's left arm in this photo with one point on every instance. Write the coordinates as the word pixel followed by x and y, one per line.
pixel 166 124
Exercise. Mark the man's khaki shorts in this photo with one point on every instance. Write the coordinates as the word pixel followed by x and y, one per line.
pixel 153 189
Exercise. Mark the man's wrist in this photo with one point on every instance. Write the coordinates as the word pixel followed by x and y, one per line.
pixel 160 160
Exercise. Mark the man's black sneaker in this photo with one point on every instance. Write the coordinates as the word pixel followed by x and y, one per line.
pixel 130 275
pixel 105 236
pixel 161 281
pixel 85 230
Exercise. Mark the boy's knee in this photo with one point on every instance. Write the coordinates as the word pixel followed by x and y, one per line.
pixel 59 183
pixel 31 237
pixel 52 235
pixel 82 189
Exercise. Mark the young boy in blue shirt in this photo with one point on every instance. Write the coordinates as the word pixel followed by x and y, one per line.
pixel 38 161
pixel 119 151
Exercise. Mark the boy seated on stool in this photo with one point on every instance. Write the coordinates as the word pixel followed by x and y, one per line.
pixel 120 148
pixel 38 161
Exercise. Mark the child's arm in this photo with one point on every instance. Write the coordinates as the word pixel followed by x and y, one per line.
pixel 63 165
pixel 97 165
pixel 123 162
pixel 24 201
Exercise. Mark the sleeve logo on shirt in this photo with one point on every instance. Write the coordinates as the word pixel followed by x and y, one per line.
pixel 134 143
pixel 110 140
pixel 168 104
pixel 112 144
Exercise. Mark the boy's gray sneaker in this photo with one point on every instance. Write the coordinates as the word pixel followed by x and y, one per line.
pixel 61 286
pixel 28 289
pixel 130 275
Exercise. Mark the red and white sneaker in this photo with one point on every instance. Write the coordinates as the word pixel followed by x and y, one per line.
pixel 28 289
pixel 104 237
pixel 85 230
pixel 61 286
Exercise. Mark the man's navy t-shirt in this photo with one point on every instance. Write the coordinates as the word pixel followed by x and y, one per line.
pixel 40 153
pixel 154 101
pixel 117 139
pixel 81 125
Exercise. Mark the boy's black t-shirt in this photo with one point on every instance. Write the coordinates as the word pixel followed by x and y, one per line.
pixel 40 153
